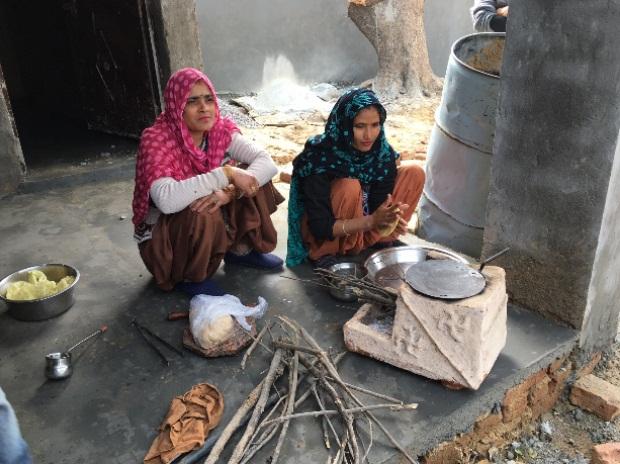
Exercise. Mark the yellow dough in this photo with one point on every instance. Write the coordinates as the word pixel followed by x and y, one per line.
pixel 218 331
pixel 388 230
pixel 36 276
pixel 37 286
pixel 64 283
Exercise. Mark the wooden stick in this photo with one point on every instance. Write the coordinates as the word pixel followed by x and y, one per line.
pixel 334 373
pixel 333 412
pixel 295 347
pixel 233 424
pixel 259 408
pixel 217 434
pixel 341 455
pixel 255 444
pixel 304 396
pixel 370 392
pixel 254 345
pixel 347 417
pixel 293 371
pixel 325 422
pixel 264 437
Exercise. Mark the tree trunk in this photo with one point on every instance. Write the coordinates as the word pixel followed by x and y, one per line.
pixel 395 28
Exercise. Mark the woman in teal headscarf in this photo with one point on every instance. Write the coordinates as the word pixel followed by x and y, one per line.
pixel 347 191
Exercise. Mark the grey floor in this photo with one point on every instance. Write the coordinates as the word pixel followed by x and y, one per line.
pixel 108 411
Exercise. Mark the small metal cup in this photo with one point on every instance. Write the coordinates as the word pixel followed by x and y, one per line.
pixel 344 292
pixel 58 366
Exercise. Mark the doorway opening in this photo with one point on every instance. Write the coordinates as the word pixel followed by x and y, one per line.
pixel 80 81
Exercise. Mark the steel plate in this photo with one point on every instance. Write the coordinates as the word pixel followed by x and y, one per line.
pixel 388 267
pixel 445 279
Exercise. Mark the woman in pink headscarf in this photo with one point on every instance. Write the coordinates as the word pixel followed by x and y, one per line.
pixel 192 205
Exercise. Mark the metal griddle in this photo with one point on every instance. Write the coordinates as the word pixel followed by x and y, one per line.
pixel 448 279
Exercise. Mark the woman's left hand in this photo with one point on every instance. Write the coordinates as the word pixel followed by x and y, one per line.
pixel 401 228
pixel 211 202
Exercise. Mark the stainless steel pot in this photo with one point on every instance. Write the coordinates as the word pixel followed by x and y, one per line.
pixel 388 267
pixel 42 308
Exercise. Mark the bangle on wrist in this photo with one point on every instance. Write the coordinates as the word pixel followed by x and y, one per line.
pixel 344 230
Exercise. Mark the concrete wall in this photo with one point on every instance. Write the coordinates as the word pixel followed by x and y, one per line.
pixel 175 35
pixel 555 144
pixel 601 316
pixel 317 36
pixel 11 157
pixel 444 22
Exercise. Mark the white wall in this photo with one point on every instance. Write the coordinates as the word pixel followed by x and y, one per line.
pixel 445 21
pixel 315 35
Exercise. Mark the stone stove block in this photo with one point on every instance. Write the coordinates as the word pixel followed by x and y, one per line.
pixel 454 341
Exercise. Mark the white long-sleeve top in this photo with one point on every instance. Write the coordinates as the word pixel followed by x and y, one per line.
pixel 171 196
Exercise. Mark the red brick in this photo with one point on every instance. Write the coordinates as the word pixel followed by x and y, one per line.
pixel 446 453
pixel 539 399
pixel 607 453
pixel 515 399
pixel 597 396
pixel 486 424
pixel 560 376
pixel 589 367
pixel 555 365
pixel 556 386
pixel 514 404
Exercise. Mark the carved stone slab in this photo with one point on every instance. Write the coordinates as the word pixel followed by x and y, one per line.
pixel 455 341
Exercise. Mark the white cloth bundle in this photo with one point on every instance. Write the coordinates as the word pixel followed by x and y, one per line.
pixel 210 317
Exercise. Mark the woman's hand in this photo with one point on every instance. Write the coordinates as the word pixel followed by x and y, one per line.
pixel 211 202
pixel 385 215
pixel 503 11
pixel 244 181
pixel 401 228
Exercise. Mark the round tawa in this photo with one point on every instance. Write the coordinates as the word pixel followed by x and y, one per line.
pixel 445 279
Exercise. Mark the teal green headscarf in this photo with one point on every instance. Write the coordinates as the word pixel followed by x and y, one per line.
pixel 332 152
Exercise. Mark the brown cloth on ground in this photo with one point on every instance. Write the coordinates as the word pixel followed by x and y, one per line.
pixel 346 200
pixel 190 419
pixel 189 246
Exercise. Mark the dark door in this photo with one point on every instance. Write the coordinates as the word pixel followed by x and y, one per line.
pixel 115 64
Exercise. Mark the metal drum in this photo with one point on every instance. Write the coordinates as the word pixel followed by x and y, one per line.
pixel 452 210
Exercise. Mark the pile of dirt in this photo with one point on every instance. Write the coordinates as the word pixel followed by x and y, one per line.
pixel 408 128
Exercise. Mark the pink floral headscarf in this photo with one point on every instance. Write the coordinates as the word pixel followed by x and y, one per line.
pixel 166 148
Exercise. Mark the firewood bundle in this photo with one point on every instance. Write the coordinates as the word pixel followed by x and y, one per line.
pixel 307 371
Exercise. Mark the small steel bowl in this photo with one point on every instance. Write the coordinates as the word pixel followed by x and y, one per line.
pixel 42 308
pixel 58 366
pixel 344 292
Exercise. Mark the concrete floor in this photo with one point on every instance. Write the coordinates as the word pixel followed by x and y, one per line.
pixel 108 411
